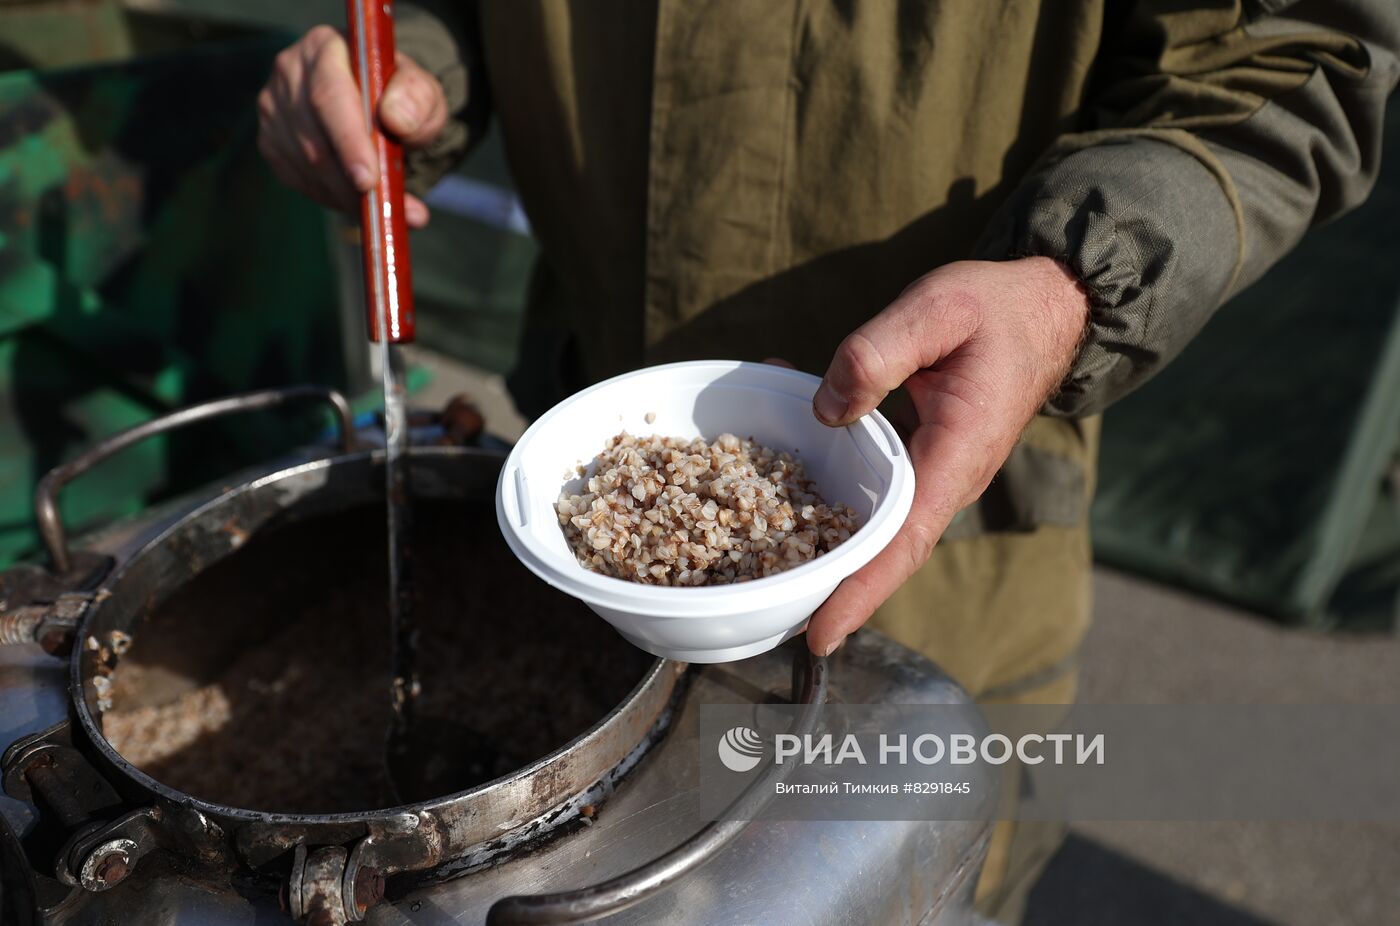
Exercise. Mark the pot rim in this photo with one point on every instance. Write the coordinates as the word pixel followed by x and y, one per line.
pixel 661 680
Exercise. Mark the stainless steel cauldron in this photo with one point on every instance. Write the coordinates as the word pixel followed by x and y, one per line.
pixel 125 846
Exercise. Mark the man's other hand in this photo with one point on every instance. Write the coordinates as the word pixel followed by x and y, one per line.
pixel 979 346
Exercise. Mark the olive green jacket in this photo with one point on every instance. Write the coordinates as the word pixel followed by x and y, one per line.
pixel 752 178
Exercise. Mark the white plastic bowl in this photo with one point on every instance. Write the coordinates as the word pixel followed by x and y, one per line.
pixel 864 465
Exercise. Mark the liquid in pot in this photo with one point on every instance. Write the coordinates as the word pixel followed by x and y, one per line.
pixel 263 682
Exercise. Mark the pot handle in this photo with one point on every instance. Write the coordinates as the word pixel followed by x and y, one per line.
pixel 625 890
pixel 46 494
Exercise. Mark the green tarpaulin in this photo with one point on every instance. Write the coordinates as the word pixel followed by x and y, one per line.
pixel 1260 466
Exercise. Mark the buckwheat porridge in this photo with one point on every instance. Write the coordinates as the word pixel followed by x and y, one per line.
pixel 671 511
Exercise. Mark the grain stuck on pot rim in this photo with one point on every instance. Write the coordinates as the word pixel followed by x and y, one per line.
pixel 672 511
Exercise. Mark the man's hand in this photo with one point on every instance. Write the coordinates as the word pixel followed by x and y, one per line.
pixel 311 127
pixel 979 346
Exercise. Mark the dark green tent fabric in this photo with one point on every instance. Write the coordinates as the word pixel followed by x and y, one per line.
pixel 148 260
pixel 1261 466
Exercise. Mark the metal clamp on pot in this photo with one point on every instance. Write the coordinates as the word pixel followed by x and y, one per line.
pixel 105 839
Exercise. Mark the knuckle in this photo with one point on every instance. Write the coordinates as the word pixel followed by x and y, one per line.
pixel 330 63
pixel 988 473
pixel 861 360
pixel 922 541
pixel 319 35
pixel 281 84
pixel 267 104
pixel 318 95
pixel 311 153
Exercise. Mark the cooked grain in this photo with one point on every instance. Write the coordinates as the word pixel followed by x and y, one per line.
pixel 671 511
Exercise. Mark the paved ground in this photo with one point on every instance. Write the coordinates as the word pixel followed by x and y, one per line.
pixel 448 378
pixel 1155 645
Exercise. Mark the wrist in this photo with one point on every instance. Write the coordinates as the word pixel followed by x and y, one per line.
pixel 1062 309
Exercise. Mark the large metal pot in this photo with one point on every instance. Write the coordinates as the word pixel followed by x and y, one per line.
pixel 331 866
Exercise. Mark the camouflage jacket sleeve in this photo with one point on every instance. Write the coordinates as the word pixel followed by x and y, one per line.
pixel 440 36
pixel 1216 137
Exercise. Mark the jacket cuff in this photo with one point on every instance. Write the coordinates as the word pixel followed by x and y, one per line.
pixel 435 36
pixel 1149 230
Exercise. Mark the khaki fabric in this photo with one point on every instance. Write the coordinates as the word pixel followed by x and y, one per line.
pixel 1006 607
pixel 750 179
pixel 998 610
pixel 1215 134
pixel 798 172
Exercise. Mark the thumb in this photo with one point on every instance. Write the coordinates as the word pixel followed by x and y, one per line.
pixel 414 107
pixel 916 331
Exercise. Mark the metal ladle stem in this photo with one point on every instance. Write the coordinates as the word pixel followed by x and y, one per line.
pixel 389 300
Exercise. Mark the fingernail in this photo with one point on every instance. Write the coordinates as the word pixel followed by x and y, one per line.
pixel 405 111
pixel 362 177
pixel 833 646
pixel 829 405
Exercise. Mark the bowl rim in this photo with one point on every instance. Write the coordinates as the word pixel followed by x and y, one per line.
pixel 886 519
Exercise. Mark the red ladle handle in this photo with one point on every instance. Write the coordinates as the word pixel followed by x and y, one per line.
pixel 383 228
